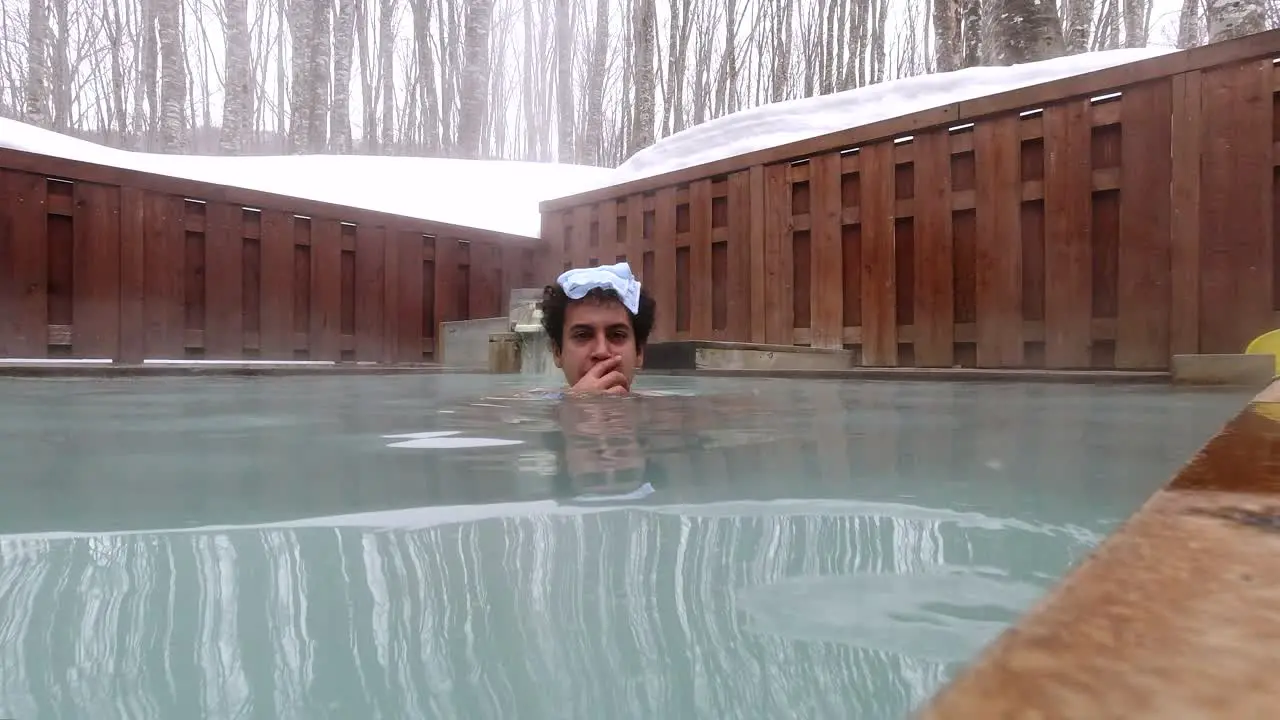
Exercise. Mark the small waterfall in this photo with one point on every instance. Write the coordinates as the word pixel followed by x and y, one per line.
pixel 535 353
pixel 526 323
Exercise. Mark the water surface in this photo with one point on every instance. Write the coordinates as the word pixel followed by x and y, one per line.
pixel 444 546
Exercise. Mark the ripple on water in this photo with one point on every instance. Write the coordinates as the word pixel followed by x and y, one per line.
pixel 945 615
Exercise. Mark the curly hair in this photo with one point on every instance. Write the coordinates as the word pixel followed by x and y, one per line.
pixel 555 302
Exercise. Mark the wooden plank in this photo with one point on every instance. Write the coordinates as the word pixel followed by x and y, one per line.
pixel 484 288
pixel 879 270
pixel 325 331
pixel 779 275
pixel 24 271
pixel 826 252
pixel 581 250
pixel 609 240
pixel 1144 303
pixel 1068 245
pixel 164 258
pixel 448 280
pixel 757 230
pixel 700 289
pixel 934 317
pixel 391 297
pixel 224 282
pixel 553 243
pixel 741 233
pixel 132 347
pixel 664 263
pixel 997 154
pixel 96 271
pixel 276 282
pixel 407 313
pixel 371 293
pixel 1186 134
pixel 1236 242
pixel 634 241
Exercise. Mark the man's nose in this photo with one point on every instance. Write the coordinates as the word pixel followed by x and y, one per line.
pixel 600 348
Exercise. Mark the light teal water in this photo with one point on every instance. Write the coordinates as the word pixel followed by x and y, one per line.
pixel 192 548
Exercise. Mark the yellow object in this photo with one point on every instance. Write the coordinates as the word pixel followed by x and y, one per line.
pixel 1268 343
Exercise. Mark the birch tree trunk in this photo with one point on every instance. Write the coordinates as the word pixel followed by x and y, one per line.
pixel 1230 19
pixel 589 151
pixel 1020 31
pixel 642 127
pixel 564 83
pixel 343 41
pixel 475 77
pixel 36 111
pixel 319 76
pixel 237 82
pixel 430 104
pixel 173 77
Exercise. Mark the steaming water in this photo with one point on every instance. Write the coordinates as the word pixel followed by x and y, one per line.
pixel 314 548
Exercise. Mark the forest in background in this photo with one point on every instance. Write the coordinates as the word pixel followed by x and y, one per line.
pixel 582 81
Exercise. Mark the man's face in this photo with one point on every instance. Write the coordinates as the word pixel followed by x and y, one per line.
pixel 594 331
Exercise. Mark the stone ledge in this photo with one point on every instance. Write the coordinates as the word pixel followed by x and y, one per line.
pixel 1225 369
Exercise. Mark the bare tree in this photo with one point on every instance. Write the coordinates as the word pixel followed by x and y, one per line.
pixel 475 77
pixel 237 82
pixel 1019 31
pixel 1229 19
pixel 173 76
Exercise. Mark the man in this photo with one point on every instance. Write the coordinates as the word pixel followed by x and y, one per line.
pixel 598 320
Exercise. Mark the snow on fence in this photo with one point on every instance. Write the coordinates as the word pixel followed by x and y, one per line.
pixel 101 262
pixel 1106 220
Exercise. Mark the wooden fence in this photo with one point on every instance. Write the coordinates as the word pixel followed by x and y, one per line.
pixel 1107 220
pixel 99 262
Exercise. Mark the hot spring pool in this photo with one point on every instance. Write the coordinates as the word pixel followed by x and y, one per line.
pixel 440 546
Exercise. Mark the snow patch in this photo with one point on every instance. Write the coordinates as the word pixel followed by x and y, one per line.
pixel 497 195
pixel 789 121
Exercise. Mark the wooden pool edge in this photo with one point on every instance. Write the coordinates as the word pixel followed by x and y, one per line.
pixel 1176 614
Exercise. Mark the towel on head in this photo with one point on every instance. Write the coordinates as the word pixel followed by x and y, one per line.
pixel 577 282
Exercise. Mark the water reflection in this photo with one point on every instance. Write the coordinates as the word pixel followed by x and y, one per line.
pixel 758 610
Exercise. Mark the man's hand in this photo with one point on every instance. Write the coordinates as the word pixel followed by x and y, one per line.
pixel 604 377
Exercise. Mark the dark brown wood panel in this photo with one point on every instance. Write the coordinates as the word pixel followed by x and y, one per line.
pixel 133 276
pixel 1235 237
pixel 325 327
pixel 370 294
pixel 738 293
pixel 778 259
pixel 999 242
pixel 934 317
pixel 879 266
pixel 276 279
pixel 1144 301
pixel 826 296
pixel 95 315
pixel 24 263
pixel 701 285
pixel 224 266
pixel 663 282
pixel 1068 249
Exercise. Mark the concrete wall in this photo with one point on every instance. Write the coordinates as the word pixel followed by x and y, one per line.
pixel 465 343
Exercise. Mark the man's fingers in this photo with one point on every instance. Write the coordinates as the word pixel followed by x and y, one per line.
pixel 614 379
pixel 604 366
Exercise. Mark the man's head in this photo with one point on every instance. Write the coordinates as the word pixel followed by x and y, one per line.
pixel 597 315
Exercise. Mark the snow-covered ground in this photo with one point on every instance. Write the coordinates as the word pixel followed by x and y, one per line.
pixel 792 120
pixel 504 195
